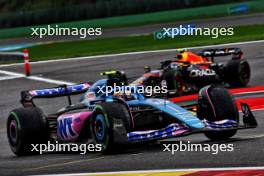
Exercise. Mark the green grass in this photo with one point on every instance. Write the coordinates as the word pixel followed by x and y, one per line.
pixel 137 43
pixel 143 19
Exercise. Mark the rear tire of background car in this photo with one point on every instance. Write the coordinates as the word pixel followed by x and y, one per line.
pixel 174 82
pixel 215 104
pixel 26 126
pixel 237 73
pixel 110 123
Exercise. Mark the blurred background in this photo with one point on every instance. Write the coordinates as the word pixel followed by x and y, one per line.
pixel 31 12
pixel 127 25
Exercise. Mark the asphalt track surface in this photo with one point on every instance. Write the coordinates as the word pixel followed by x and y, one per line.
pixel 248 144
pixel 228 21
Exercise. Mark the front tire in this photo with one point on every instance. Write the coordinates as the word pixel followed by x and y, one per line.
pixel 110 123
pixel 215 104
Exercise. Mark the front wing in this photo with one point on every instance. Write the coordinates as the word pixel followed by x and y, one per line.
pixel 177 130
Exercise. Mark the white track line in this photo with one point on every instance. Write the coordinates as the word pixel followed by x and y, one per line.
pixel 251 92
pixel 4 78
pixel 253 137
pixel 35 78
pixel 163 170
pixel 260 109
pixel 134 53
pixel 53 81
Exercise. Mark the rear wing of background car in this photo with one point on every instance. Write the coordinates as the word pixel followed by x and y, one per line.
pixel 63 90
pixel 235 52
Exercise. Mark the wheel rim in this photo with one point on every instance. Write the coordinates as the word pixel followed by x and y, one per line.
pixel 13 130
pixel 99 127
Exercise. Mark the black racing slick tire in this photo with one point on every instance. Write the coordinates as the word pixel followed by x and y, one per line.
pixel 110 123
pixel 174 82
pixel 26 126
pixel 215 104
pixel 237 73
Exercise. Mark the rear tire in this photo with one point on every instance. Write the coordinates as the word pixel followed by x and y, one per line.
pixel 26 126
pixel 215 104
pixel 237 73
pixel 174 82
pixel 110 123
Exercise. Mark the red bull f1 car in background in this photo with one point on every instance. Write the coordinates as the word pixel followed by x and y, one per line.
pixel 113 119
pixel 189 71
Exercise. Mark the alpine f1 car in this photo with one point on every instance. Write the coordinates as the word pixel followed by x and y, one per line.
pixel 126 117
pixel 190 71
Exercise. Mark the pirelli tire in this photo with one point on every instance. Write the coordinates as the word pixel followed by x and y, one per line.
pixel 174 82
pixel 215 104
pixel 237 73
pixel 110 123
pixel 26 126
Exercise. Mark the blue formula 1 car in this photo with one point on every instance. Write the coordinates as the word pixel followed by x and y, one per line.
pixel 123 117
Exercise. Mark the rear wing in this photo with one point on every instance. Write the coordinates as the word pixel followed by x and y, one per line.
pixel 62 90
pixel 235 52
